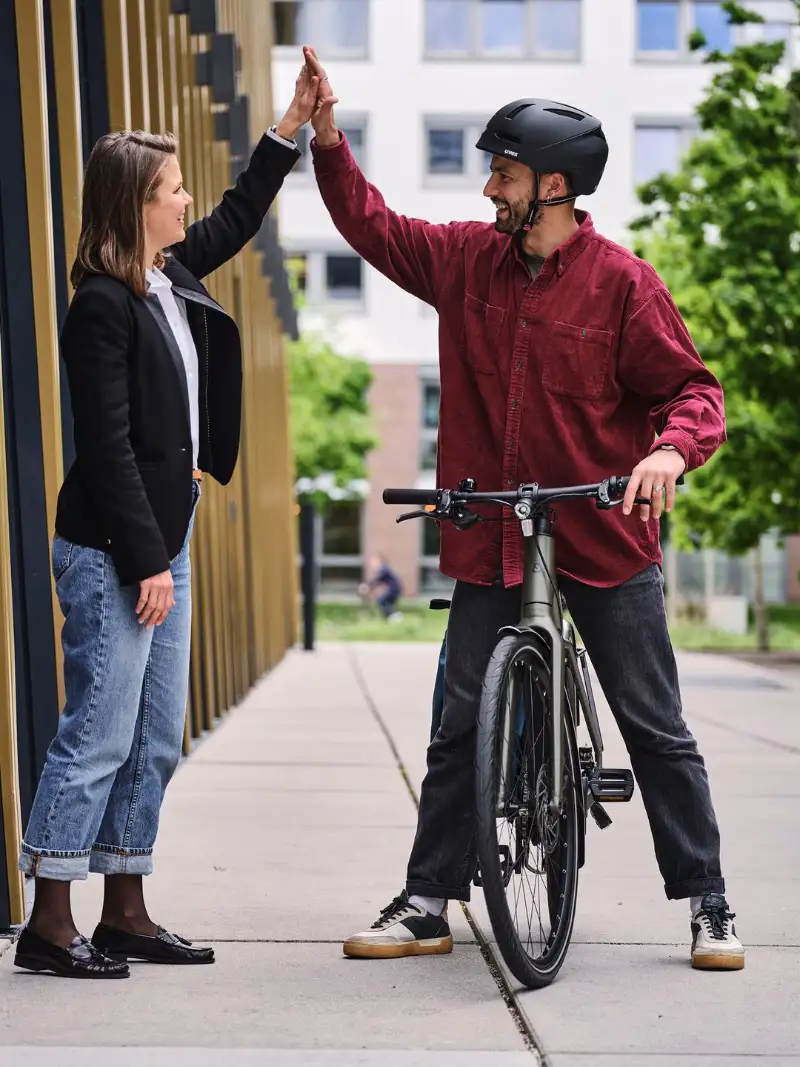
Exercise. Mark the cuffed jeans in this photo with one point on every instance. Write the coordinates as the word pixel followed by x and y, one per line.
pixel 120 734
pixel 625 632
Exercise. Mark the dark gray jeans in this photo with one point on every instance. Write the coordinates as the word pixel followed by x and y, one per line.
pixel 625 632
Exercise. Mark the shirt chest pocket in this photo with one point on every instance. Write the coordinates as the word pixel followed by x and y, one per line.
pixel 482 325
pixel 576 363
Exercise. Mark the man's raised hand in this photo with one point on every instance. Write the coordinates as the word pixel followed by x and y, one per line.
pixel 322 120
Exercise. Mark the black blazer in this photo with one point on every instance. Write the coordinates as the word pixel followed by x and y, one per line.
pixel 129 491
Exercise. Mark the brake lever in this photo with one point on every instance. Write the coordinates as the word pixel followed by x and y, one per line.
pixel 415 515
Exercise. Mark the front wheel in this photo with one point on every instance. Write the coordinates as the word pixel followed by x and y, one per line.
pixel 528 856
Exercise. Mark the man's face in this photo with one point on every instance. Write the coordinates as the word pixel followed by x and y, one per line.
pixel 510 188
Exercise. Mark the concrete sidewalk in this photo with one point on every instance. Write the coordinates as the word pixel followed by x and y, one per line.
pixel 290 826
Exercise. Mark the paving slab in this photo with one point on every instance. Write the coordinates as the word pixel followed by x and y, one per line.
pixel 229 1057
pixel 628 963
pixel 283 833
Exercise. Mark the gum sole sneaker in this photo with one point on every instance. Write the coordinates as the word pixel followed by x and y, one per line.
pixel 402 929
pixel 715 946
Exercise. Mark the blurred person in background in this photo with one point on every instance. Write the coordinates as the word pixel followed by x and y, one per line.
pixel 384 585
pixel 563 359
pixel 155 377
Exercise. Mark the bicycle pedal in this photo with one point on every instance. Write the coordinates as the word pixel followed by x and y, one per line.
pixel 600 816
pixel 611 786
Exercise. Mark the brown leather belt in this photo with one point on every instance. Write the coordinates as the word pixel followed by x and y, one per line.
pixel 197 476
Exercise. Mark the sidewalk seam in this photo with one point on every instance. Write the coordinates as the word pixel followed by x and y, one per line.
pixel 522 1022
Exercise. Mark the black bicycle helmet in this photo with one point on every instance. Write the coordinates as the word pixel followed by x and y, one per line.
pixel 549 138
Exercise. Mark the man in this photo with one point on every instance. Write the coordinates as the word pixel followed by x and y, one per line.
pixel 386 583
pixel 561 355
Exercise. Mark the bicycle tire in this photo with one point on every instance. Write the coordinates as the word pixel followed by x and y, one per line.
pixel 562 866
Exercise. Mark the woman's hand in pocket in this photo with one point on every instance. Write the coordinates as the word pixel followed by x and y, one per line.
pixel 156 599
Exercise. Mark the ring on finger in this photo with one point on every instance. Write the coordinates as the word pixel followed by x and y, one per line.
pixel 658 488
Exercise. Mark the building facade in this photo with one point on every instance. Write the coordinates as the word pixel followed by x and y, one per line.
pixel 416 81
pixel 70 71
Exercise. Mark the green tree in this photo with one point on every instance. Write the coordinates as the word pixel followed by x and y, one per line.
pixel 724 232
pixel 331 428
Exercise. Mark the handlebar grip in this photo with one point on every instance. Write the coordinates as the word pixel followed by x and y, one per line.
pixel 410 496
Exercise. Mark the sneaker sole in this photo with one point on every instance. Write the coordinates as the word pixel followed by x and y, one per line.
pixel 717 962
pixel 435 946
pixel 33 963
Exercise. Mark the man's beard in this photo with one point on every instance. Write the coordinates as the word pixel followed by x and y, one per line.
pixel 514 218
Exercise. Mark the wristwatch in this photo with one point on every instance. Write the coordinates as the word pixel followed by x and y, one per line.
pixel 274 130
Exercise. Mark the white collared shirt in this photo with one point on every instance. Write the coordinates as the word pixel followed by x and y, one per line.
pixel 174 309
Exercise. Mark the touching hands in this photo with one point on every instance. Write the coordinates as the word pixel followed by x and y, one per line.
pixel 655 478
pixel 303 105
pixel 322 119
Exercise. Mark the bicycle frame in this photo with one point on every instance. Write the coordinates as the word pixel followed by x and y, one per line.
pixel 541 616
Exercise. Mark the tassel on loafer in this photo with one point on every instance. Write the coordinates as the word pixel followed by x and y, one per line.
pixel 81 960
pixel 163 948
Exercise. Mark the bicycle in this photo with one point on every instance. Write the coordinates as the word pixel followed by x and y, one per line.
pixel 535 786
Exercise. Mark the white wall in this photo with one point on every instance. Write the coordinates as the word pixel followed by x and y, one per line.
pixel 395 87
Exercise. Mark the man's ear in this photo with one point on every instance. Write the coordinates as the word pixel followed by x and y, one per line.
pixel 554 186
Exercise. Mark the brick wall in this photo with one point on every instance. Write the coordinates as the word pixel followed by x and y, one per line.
pixel 395 401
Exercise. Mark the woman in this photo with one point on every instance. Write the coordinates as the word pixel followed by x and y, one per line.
pixel 155 377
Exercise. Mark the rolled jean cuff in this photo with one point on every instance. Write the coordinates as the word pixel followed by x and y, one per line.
pixel 110 859
pixel 696 888
pixel 430 889
pixel 58 866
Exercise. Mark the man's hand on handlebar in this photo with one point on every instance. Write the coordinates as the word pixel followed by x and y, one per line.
pixel 654 479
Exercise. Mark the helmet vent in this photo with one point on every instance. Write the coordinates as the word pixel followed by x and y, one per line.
pixel 564 114
pixel 517 110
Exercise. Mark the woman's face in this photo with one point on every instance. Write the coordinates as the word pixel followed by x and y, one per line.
pixel 163 215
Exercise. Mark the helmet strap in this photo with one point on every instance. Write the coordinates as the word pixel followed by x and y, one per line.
pixel 536 204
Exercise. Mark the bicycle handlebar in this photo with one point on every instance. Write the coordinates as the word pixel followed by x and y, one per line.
pixel 614 487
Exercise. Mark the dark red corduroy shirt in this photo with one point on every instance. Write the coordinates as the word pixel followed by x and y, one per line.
pixel 563 380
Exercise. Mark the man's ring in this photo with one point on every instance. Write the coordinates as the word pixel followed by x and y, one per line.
pixel 323 79
pixel 658 488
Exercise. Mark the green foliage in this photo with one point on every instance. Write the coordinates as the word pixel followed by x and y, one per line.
pixel 331 430
pixel 724 232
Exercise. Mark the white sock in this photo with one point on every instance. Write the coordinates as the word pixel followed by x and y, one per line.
pixel 695 903
pixel 433 905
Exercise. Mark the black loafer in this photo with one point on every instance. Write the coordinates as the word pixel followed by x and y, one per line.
pixel 163 948
pixel 81 960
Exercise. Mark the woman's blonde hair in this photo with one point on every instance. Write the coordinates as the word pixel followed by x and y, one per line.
pixel 122 175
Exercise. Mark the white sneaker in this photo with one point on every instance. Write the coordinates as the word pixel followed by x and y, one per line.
pixel 715 946
pixel 402 929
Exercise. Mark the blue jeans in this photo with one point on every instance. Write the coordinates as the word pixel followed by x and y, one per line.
pixel 120 734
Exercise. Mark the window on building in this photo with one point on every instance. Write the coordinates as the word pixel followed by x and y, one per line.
pixel 297 269
pixel 450 153
pixel 659 146
pixel 343 276
pixel 340 546
pixel 354 128
pixel 328 276
pixel 341 529
pixel 431 392
pixel 446 153
pixel 337 27
pixel 429 420
pixel 502 28
pixel 780 24
pixel 664 26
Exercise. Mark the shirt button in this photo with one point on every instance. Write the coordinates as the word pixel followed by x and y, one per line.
pixel 515 404
pixel 524 324
pixel 519 365
pixel 509 481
